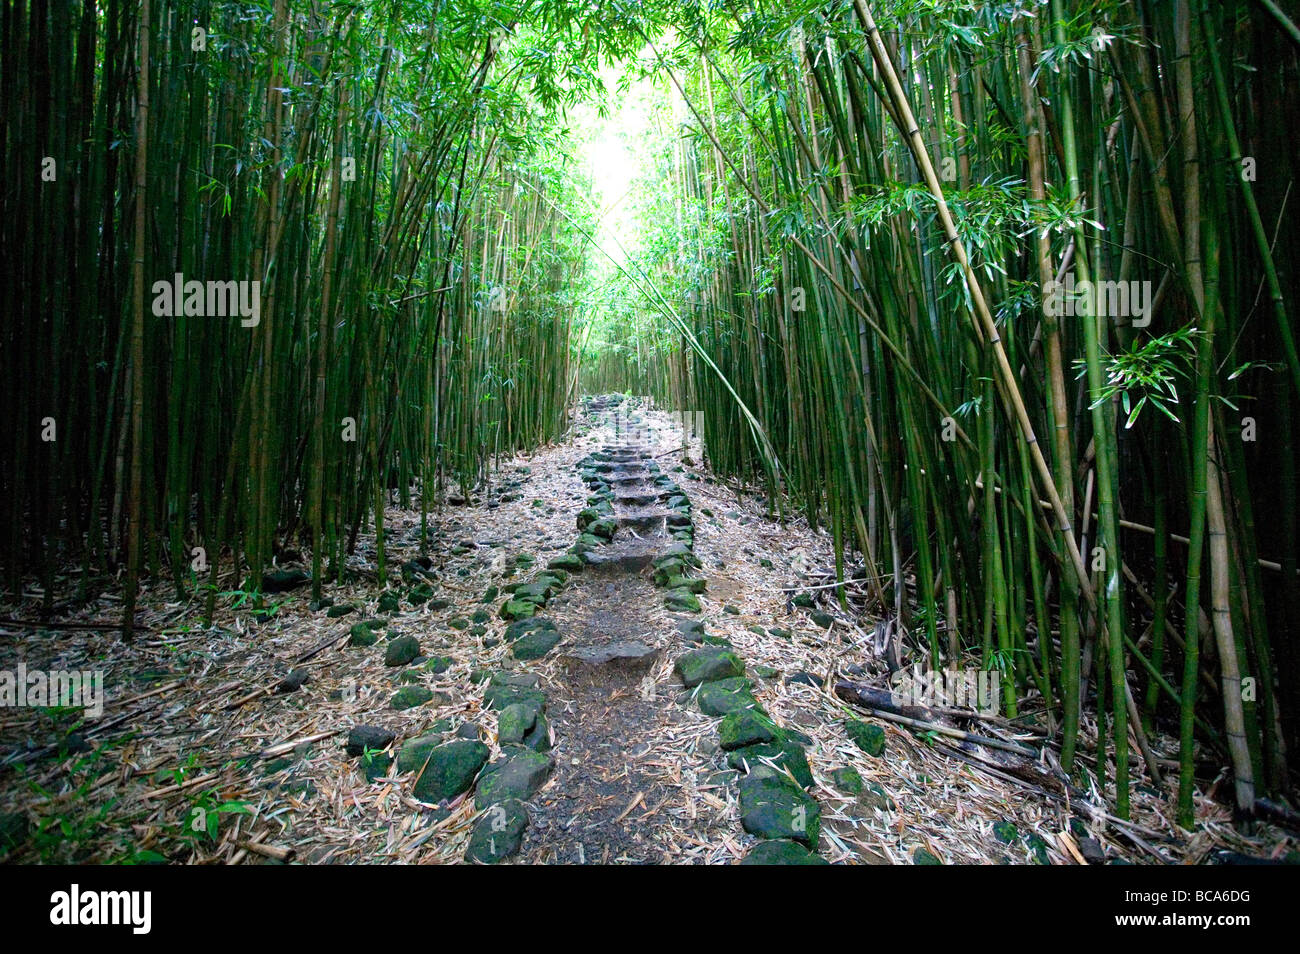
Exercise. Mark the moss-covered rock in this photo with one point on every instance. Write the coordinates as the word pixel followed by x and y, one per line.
pixel 499 696
pixel 724 696
pixel 522 627
pixel 708 665
pixel 847 780
pixel 419 594
pixel 922 857
pixel 782 852
pixel 747 727
pixel 536 592
pixel 869 738
pixel 568 562
pixel 535 645
pixel 518 609
pixel 451 770
pixel 498 833
pixel 692 584
pixel 362 635
pixel 772 806
pixel 516 721
pixel 517 775
pixel 389 602
pixel 408 697
pixel 682 601
pixel 401 651
pixel 784 754
pixel 539 736
pixel 340 609
pixel 413 752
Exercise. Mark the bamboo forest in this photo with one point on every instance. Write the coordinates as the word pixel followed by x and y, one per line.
pixel 667 432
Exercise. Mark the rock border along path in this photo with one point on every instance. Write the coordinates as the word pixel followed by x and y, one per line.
pixel 602 712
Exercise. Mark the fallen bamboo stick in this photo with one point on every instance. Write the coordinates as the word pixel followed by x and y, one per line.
pixel 954 733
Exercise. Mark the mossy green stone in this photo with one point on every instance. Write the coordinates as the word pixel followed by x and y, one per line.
pixel 498 697
pixel 707 665
pixel 567 562
pixel 389 602
pixel 747 727
pixel 517 776
pixel 724 696
pixel 518 609
pixel 516 721
pixel 535 645
pixel 682 601
pixel 362 635
pixel 690 584
pixel 408 697
pixel 774 807
pixel 414 751
pixel 498 833
pixel 847 780
pixel 536 592
pixel 523 627
pixel 784 754
pixel 869 738
pixel 451 770
pixel 401 651
pixel 923 857
pixel 539 737
pixel 782 852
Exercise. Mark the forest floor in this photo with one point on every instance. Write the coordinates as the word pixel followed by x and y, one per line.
pixel 420 726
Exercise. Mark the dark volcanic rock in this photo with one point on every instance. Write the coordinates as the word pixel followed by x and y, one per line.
pixel 364 737
pixel 498 833
pixel 296 679
pixel 519 774
pixel 281 581
pixel 401 651
pixel 451 770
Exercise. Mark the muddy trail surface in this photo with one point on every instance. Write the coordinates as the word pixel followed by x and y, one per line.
pixel 604 656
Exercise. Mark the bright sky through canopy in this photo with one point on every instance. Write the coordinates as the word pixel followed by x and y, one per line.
pixel 614 150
